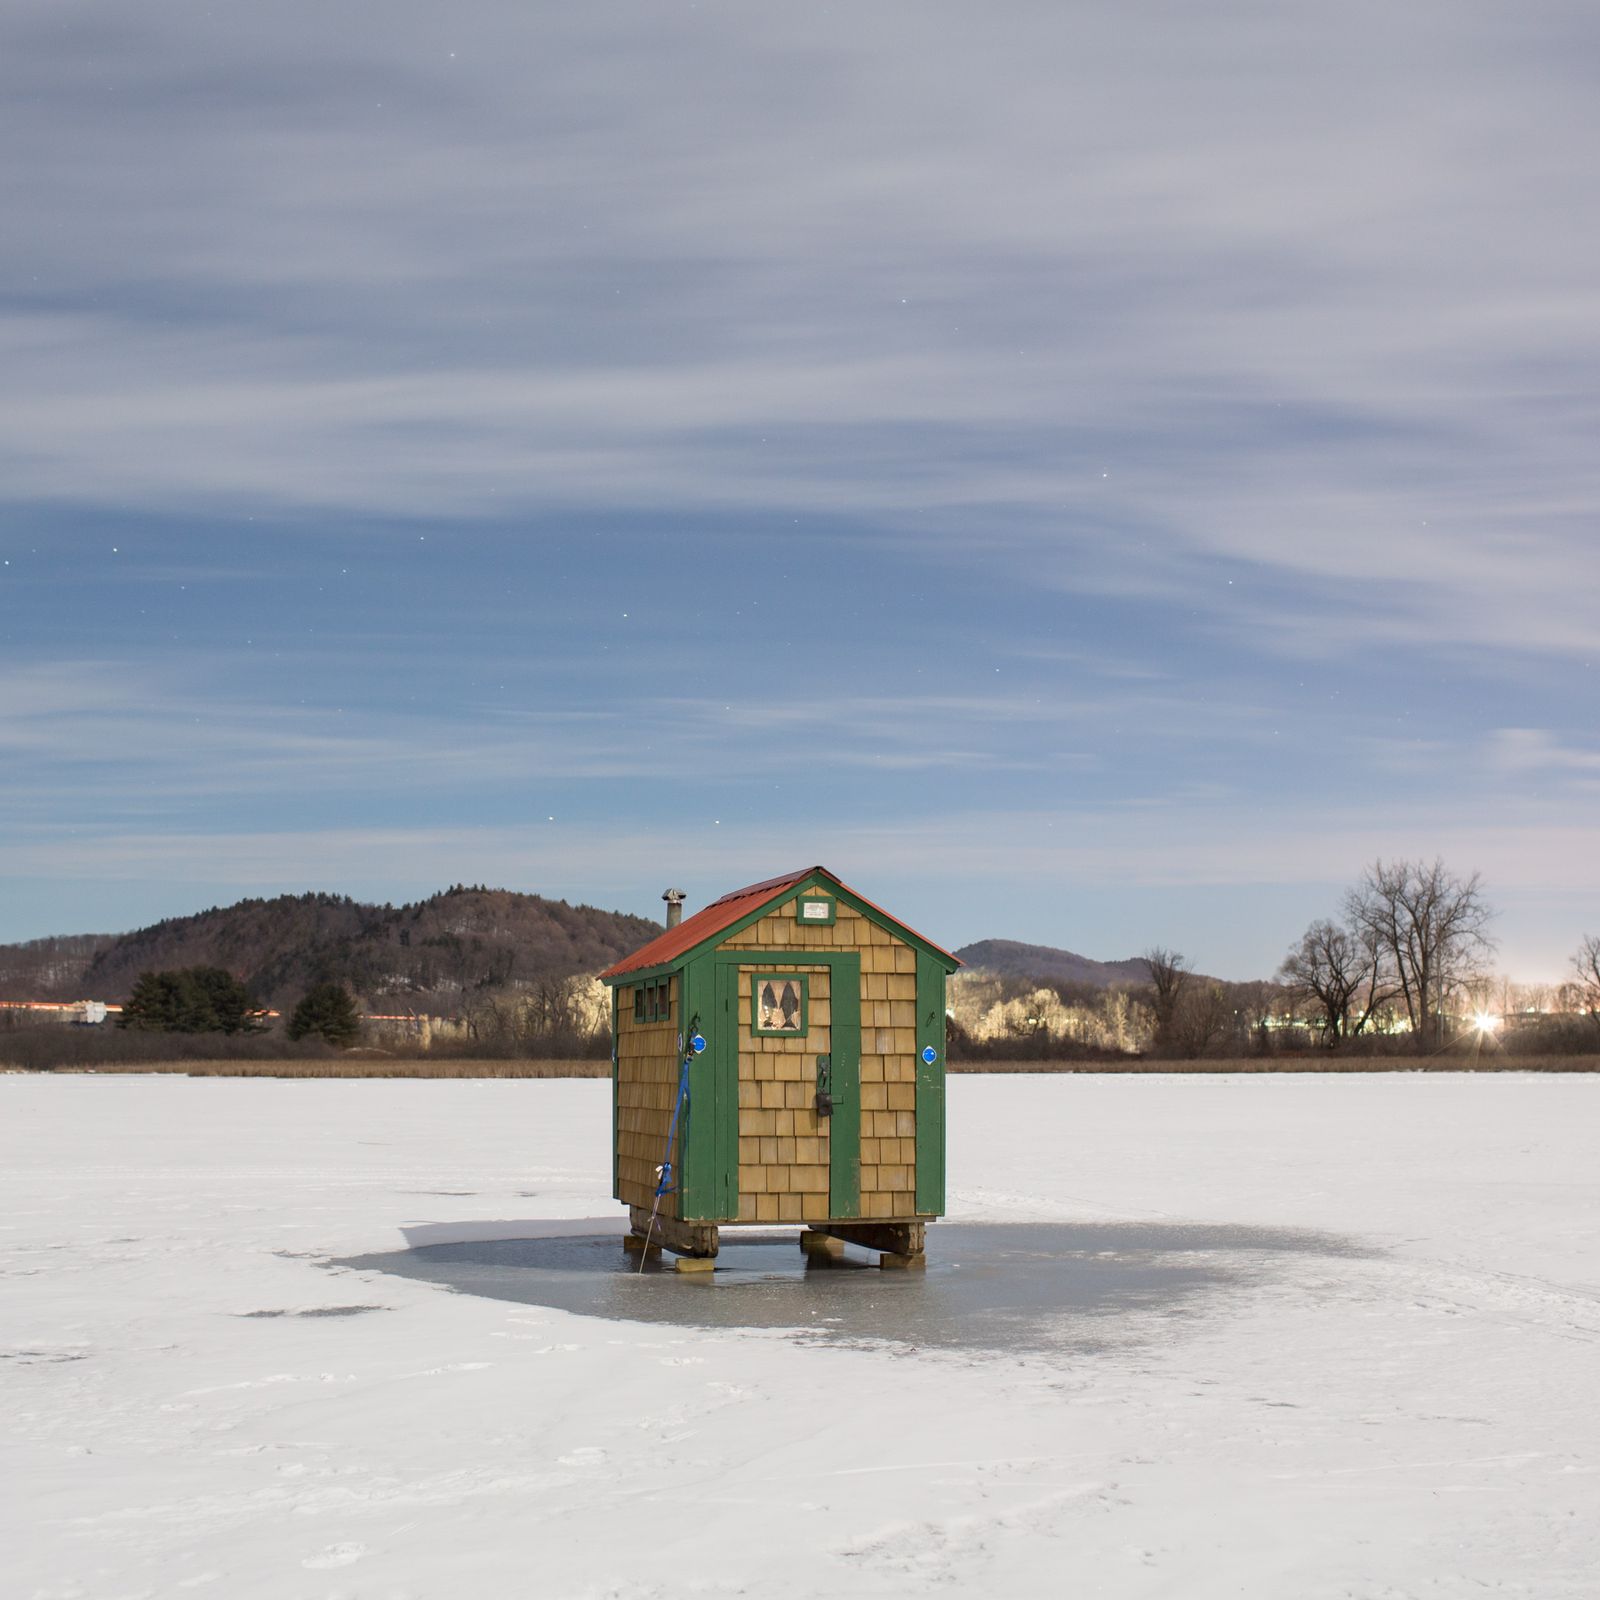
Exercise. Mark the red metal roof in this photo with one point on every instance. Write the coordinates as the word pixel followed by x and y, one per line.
pixel 723 913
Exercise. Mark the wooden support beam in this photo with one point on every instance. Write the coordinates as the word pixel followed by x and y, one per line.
pixel 889 1261
pixel 685 1238
pixel 907 1239
pixel 817 1243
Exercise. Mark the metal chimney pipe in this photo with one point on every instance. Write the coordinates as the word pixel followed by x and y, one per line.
pixel 674 899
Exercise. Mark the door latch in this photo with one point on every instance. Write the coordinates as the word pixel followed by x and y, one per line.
pixel 825 1086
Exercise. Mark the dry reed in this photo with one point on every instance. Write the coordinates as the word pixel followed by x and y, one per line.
pixel 377 1066
pixel 1487 1061
pixel 357 1066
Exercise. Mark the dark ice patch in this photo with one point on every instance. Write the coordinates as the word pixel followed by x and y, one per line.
pixel 994 1288
pixel 316 1311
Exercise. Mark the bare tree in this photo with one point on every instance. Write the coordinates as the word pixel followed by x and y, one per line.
pixel 1203 1020
pixel 1169 973
pixel 1586 963
pixel 1339 976
pixel 1431 925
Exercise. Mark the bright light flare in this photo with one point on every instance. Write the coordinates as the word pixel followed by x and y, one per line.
pixel 1485 1023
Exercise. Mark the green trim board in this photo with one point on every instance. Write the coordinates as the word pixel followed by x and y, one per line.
pixel 780 986
pixel 727 1079
pixel 930 1086
pixel 698 1175
pixel 699 1164
pixel 725 1072
pixel 791 957
pixel 644 974
pixel 616 1108
pixel 844 1037
pixel 883 920
pixel 697 1138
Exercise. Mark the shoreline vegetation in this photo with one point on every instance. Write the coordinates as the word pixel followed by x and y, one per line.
pixel 371 1064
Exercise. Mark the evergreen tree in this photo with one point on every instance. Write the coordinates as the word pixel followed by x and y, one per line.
pixel 189 1000
pixel 326 1012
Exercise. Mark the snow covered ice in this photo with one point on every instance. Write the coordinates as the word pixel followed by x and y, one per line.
pixel 1288 1336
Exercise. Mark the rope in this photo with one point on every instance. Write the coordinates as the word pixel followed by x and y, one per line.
pixel 664 1173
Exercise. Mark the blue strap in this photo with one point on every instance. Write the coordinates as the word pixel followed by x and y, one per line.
pixel 665 1185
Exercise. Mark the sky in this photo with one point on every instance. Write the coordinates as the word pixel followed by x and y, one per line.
pixel 1087 474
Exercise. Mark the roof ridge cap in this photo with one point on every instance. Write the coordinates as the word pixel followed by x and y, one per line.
pixel 783 880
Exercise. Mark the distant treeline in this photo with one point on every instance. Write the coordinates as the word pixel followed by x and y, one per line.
pixel 486 974
pixel 1406 968
pixel 998 1020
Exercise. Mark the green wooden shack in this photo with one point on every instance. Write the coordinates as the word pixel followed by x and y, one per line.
pixel 779 1057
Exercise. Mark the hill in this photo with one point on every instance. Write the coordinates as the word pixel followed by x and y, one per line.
pixel 410 956
pixel 421 956
pixel 49 969
pixel 1005 958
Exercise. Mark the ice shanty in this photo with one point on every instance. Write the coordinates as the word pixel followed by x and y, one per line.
pixel 779 1058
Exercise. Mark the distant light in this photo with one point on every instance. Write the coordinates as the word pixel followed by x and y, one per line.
pixel 1484 1023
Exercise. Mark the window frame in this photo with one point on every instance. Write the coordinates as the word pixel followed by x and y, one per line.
pixel 652 1000
pixel 803 981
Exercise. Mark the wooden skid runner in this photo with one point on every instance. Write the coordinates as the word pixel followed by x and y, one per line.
pixel 685 1238
pixel 904 1239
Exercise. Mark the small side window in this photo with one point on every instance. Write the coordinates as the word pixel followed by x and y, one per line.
pixel 652 1001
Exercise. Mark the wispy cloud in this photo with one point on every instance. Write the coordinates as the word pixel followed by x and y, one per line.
pixel 1525 752
pixel 1128 304
pixel 1154 445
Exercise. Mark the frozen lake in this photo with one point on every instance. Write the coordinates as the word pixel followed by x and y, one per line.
pixel 1268 1336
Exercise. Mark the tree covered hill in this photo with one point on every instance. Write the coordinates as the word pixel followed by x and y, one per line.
pixel 422 956
pixel 1006 958
pixel 49 969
